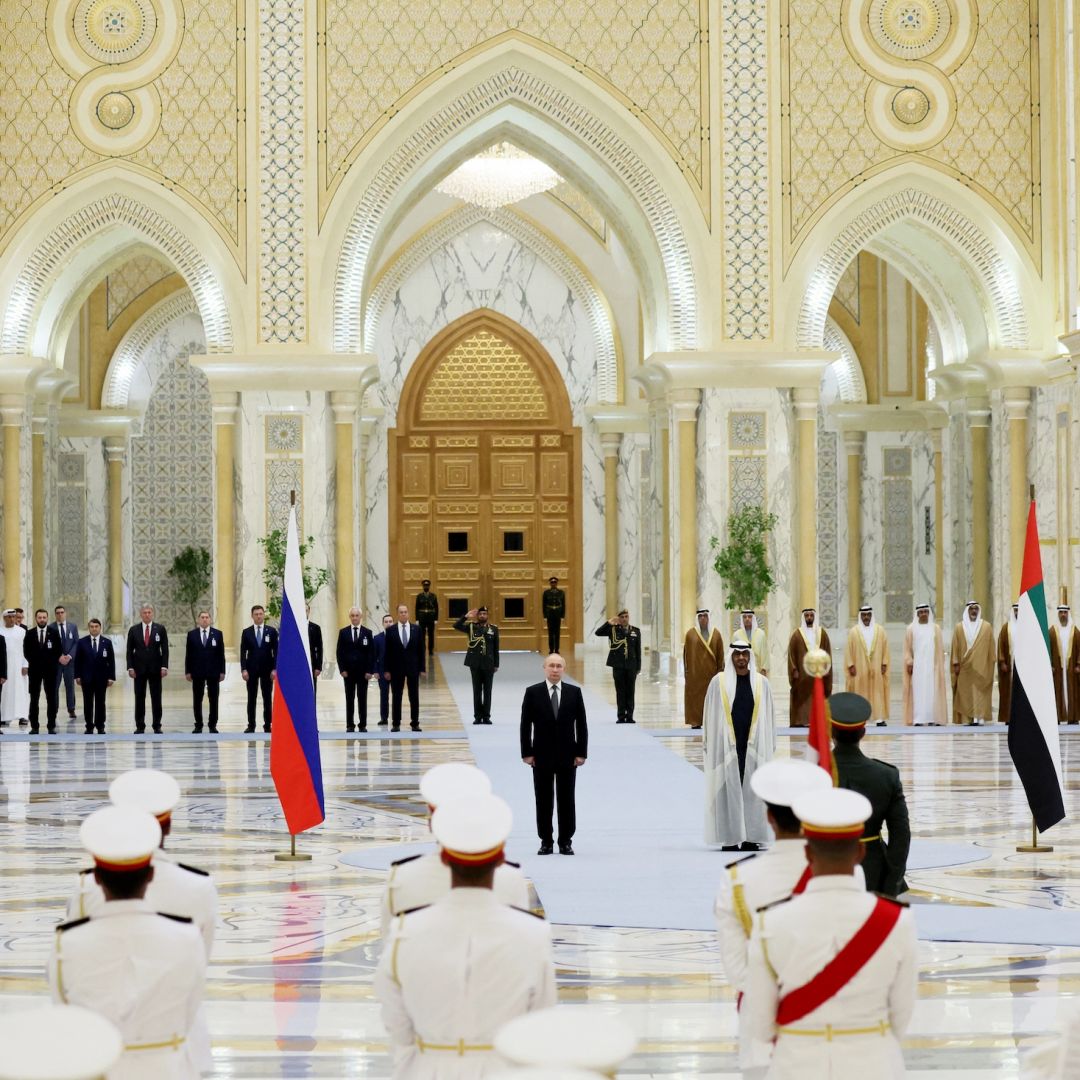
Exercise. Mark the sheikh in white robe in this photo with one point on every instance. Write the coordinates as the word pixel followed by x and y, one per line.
pixel 733 813
pixel 15 698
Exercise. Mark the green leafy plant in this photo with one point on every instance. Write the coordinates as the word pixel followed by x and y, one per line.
pixel 743 564
pixel 191 576
pixel 273 545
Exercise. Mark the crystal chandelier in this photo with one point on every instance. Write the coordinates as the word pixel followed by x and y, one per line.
pixel 501 175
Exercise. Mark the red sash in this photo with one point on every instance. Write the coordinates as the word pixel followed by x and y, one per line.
pixel 843 967
pixel 800 885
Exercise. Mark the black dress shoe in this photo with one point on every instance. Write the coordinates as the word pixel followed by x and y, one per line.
pixel 266 728
pixel 90 731
pixel 362 730
pixel 566 849
pixel 546 849
pixel 249 729
pixel 395 729
pixel 140 730
pixel 487 721
pixel 748 845
pixel 71 716
pixel 33 729
pixel 101 731
pixel 620 721
pixel 157 729
pixel 51 729
pixel 730 847
pixel 197 729
pixel 631 720
pixel 213 731
pixel 415 727
pixel 475 722
pixel 350 727
pixel 383 723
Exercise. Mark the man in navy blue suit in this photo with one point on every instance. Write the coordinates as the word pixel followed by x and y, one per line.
pixel 204 668
pixel 356 662
pixel 69 638
pixel 404 663
pixel 379 670
pixel 258 662
pixel 95 672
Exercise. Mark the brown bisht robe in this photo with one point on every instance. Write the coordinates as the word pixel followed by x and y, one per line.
pixel 1067 683
pixel 973 673
pixel 701 661
pixel 802 685
pixel 1005 673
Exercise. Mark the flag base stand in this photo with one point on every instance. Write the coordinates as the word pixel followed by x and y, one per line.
pixel 292 856
pixel 1034 847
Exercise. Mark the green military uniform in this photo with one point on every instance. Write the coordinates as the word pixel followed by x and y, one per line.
pixel 427 614
pixel 554 613
pixel 884 863
pixel 624 659
pixel 482 660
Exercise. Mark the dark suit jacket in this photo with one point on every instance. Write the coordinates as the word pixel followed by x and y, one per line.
pixel 315 644
pixel 95 670
pixel 148 659
pixel 257 661
pixel 42 659
pixel 553 741
pixel 69 635
pixel 399 660
pixel 205 662
pixel 378 643
pixel 357 660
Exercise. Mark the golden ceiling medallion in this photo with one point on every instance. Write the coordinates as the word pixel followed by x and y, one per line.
pixel 910 29
pixel 911 105
pixel 115 110
pixel 115 31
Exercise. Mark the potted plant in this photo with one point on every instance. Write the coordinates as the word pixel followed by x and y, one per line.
pixel 743 563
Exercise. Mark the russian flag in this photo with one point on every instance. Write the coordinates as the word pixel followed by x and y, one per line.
pixel 295 764
pixel 1033 729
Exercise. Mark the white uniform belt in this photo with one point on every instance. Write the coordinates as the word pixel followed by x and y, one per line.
pixel 828 1032
pixel 461 1047
pixel 172 1043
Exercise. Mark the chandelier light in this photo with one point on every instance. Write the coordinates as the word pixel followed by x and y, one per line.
pixel 500 176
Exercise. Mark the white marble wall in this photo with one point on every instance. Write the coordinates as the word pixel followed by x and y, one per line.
pixel 95 526
pixel 653 518
pixel 484 268
pixel 957 464
pixel 631 498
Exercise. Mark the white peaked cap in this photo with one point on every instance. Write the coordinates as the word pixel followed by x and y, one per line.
pixel 151 790
pixel 121 837
pixel 57 1042
pixel 835 814
pixel 567 1037
pixel 472 830
pixel 539 1073
pixel 783 780
pixel 454 780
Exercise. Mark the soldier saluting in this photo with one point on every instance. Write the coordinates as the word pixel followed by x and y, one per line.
pixel 554 612
pixel 481 658
pixel 427 613
pixel 624 659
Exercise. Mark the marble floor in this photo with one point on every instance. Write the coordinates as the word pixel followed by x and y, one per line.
pixel 289 991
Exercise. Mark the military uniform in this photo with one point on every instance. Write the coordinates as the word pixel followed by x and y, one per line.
pixel 624 659
pixel 482 660
pixel 58 1042
pixel 566 1044
pixel 554 613
pixel 427 614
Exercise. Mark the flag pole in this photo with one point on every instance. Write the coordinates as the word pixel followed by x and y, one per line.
pixel 292 856
pixel 1034 846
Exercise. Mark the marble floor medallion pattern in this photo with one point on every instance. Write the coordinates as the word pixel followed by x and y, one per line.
pixel 289 989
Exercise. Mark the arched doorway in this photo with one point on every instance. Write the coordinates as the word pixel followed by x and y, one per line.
pixel 485 481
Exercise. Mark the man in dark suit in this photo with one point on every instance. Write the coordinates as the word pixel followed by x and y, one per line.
pixel 481 658
pixel 624 659
pixel 356 662
pixel 315 648
pixel 204 668
pixel 95 672
pixel 42 648
pixel 69 638
pixel 379 667
pixel 258 662
pixel 147 664
pixel 554 612
pixel 427 613
pixel 404 663
pixel 554 744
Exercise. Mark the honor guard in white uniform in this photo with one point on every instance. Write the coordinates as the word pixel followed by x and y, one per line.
pixel 142 970
pixel 758 880
pixel 832 973
pixel 57 1042
pixel 177 889
pixel 566 1039
pixel 453 973
pixel 422 879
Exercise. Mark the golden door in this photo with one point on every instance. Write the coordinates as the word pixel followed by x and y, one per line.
pixel 485 491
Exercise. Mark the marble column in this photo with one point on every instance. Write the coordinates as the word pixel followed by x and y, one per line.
pixel 979 422
pixel 1017 400
pixel 610 443
pixel 11 416
pixel 344 403
pixel 226 411
pixel 37 531
pixel 805 403
pixel 365 432
pixel 684 406
pixel 854 445
pixel 936 441
pixel 115 451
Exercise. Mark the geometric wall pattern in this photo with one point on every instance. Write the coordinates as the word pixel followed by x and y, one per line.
pixel 284 443
pixel 71 571
pixel 898 555
pixel 172 487
pixel 747 460
pixel 828 509
pixel 130 281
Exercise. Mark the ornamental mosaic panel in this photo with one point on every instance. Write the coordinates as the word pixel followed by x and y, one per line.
pixel 130 281
pixel 897 520
pixel 172 485
pixel 155 83
pixel 879 79
pixel 746 482
pixel 483 378
pixel 653 55
pixel 284 434
pixel 896 460
pixel 71 541
pixel 282 271
pixel 746 431
pixel 744 54
pixel 283 477
pixel 828 509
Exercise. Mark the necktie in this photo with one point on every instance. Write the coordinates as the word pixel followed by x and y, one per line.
pixel 354 635
pixel 41 637
pixel 258 637
pixel 95 645
pixel 146 634
pixel 404 633
pixel 555 700
pixel 204 639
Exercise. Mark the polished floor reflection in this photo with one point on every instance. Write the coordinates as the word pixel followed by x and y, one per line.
pixel 290 982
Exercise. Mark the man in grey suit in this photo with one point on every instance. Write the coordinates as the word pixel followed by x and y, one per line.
pixel 69 638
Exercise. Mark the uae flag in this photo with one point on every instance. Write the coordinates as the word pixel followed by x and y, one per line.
pixel 1033 729
pixel 819 737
